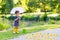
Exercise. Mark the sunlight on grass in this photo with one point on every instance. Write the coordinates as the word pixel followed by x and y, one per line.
pixel 9 34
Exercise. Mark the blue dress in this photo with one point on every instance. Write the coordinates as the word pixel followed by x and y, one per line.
pixel 16 23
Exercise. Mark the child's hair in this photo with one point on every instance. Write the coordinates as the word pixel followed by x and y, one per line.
pixel 16 12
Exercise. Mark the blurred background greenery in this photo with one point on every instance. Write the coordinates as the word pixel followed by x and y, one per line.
pixel 39 15
pixel 38 12
pixel 30 5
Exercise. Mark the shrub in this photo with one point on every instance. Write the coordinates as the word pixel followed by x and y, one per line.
pixel 1 26
pixel 52 21
pixel 30 17
pixel 24 31
pixel 45 17
pixel 11 18
pixel 55 18
pixel 4 26
pixel 4 17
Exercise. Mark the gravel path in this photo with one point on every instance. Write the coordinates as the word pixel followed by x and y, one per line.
pixel 51 34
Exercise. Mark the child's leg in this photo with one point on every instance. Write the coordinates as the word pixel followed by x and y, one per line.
pixel 16 29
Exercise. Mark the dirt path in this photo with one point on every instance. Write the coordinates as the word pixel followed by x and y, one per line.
pixel 52 34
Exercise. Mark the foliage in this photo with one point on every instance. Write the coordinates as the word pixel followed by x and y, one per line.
pixel 30 5
pixel 4 17
pixel 52 21
pixel 4 26
pixel 30 17
pixel 24 31
pixel 45 17
pixel 6 6
pixel 11 18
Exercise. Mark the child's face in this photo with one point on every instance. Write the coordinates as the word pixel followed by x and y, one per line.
pixel 17 14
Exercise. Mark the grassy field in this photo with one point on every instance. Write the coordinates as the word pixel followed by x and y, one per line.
pixel 7 35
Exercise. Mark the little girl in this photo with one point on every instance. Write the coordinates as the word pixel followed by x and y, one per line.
pixel 16 22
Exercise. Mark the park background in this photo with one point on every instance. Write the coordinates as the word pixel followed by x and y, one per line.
pixel 39 15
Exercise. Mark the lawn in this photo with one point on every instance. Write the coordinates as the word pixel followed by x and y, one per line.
pixel 7 35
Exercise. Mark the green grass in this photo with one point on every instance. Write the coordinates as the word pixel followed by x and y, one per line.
pixel 7 35
pixel 34 26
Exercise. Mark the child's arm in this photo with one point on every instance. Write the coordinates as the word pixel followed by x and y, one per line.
pixel 16 19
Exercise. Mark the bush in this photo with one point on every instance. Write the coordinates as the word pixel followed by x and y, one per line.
pixel 52 21
pixel 11 18
pixel 58 22
pixel 55 18
pixel 30 17
pixel 4 17
pixel 4 26
pixel 24 31
pixel 45 17
pixel 1 26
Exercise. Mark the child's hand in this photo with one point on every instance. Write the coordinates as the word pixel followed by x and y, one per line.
pixel 16 19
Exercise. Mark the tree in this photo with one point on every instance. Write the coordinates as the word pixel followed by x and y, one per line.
pixel 33 5
pixel 7 5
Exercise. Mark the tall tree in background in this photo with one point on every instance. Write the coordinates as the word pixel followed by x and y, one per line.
pixel 33 5
pixel 30 5
pixel 17 3
pixel 7 5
